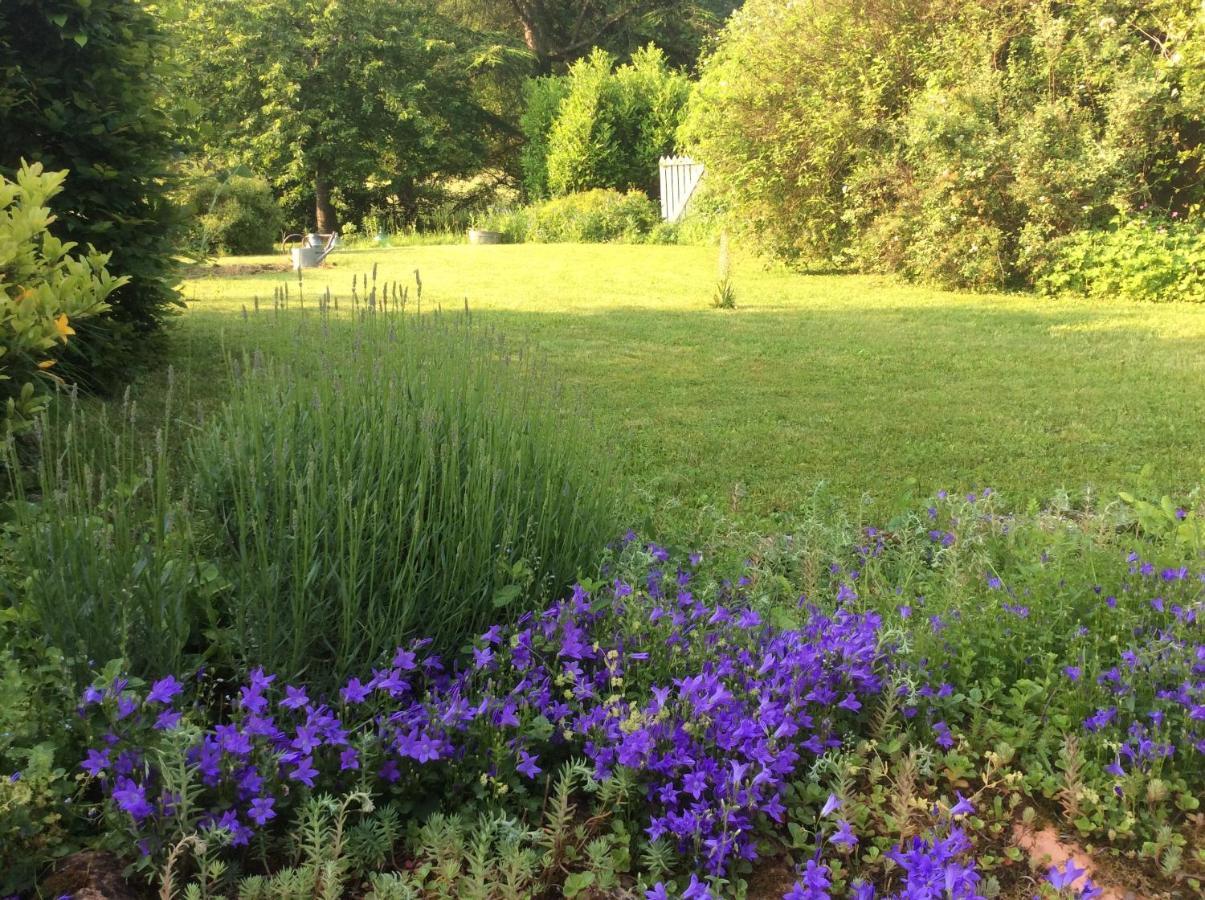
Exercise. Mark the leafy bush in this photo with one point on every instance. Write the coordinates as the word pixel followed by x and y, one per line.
pixel 238 215
pixel 967 139
pixel 422 477
pixel 600 126
pixel 38 753
pixel 592 216
pixel 82 92
pixel 1138 259
pixel 43 291
pixel 541 104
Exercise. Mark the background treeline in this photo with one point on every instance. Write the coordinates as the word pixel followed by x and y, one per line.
pixel 986 145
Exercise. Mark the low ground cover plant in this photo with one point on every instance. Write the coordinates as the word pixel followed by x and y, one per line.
pixel 1151 259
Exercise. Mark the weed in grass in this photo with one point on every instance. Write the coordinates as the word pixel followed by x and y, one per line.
pixel 725 294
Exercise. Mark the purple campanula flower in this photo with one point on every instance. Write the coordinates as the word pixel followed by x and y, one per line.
pixel 163 690
pixel 354 693
pixel 844 835
pixel 96 762
pixel 261 811
pixel 1065 878
pixel 831 805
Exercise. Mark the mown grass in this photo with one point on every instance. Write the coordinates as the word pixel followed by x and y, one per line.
pixel 879 389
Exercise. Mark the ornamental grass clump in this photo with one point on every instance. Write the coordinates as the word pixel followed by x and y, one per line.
pixel 403 476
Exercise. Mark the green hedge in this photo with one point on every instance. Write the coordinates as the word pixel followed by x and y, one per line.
pixel 602 126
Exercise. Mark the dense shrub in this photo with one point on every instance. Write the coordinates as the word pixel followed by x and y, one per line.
pixel 949 142
pixel 592 216
pixel 1138 259
pixel 541 102
pixel 79 90
pixel 236 215
pixel 44 292
pixel 600 126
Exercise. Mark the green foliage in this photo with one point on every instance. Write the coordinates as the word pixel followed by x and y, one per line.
pixel 348 107
pixel 558 32
pixel 947 142
pixel 1137 259
pixel 38 748
pixel 577 843
pixel 610 125
pixel 236 215
pixel 541 104
pixel 591 217
pixel 101 545
pixel 725 294
pixel 43 290
pixel 80 89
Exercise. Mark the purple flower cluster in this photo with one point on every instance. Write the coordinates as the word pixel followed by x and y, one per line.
pixel 711 709
pixel 937 865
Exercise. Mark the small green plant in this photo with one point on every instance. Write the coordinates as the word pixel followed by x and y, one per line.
pixel 725 294
pixel 234 213
pixel 43 289
pixel 37 696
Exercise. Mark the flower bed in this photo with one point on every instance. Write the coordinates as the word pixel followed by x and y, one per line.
pixel 883 731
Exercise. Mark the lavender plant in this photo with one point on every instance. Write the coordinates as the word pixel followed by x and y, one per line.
pixel 413 476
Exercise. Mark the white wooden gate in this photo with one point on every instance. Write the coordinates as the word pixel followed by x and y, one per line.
pixel 679 177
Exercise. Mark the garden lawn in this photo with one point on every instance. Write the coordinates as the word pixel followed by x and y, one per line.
pixel 873 387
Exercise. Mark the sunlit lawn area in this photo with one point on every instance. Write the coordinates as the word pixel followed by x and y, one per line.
pixel 871 386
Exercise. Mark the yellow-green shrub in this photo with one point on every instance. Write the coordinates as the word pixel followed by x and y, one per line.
pixel 42 290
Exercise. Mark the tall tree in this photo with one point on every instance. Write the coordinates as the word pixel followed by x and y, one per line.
pixel 332 97
pixel 558 32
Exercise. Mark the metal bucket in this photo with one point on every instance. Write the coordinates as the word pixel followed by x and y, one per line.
pixel 305 257
pixel 477 236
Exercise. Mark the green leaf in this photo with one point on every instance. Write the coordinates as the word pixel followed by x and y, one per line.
pixel 80 38
pixel 578 882
pixel 507 595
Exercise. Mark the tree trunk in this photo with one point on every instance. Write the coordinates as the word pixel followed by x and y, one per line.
pixel 533 34
pixel 324 212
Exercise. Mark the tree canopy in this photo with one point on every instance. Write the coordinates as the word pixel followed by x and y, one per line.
pixel 341 104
